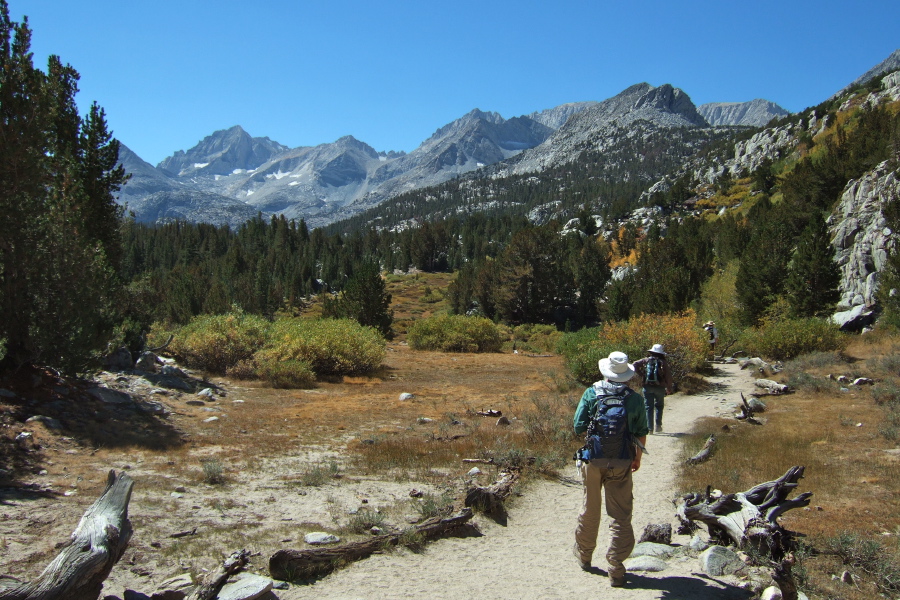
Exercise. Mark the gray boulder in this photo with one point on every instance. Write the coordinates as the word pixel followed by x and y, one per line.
pixel 718 561
pixel 652 549
pixel 148 361
pixel 110 396
pixel 649 564
pixel 118 360
pixel 247 587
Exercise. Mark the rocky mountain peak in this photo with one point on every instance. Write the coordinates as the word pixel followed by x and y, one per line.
pixel 221 153
pixel 755 113
pixel 891 63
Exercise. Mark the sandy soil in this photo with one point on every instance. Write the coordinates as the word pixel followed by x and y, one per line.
pixel 532 556
pixel 260 507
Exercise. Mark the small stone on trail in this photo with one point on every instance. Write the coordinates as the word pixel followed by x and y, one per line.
pixel 211 419
pixel 502 421
pixel 406 396
pixel 414 493
pixel 474 472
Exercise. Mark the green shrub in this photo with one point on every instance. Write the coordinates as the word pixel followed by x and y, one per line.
pixel 284 373
pixel 327 346
pixel 537 338
pixel 213 471
pixel 684 342
pixel 787 338
pixel 216 342
pixel 455 333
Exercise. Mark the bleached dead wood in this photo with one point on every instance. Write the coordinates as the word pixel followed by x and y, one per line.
pixel 291 565
pixel 79 570
pixel 213 583
pixel 773 387
pixel 748 518
pixel 704 453
pixel 489 500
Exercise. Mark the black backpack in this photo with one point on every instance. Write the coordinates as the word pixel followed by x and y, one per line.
pixel 654 371
pixel 607 433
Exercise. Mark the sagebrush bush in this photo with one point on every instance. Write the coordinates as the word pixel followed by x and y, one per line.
pixel 216 342
pixel 327 346
pixel 455 333
pixel 788 338
pixel 684 342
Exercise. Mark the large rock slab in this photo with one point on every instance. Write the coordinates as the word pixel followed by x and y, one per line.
pixel 247 587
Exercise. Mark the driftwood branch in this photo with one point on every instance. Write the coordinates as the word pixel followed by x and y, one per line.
pixel 79 570
pixel 747 412
pixel 211 587
pixel 748 518
pixel 704 453
pixel 164 346
pixel 293 565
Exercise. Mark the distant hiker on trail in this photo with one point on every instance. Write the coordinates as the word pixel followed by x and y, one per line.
pixel 656 374
pixel 613 416
pixel 710 328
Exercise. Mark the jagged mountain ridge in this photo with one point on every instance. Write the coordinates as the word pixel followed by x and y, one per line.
pixel 239 174
pixel 756 113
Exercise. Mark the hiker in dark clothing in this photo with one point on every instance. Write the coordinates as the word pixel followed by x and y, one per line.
pixel 656 373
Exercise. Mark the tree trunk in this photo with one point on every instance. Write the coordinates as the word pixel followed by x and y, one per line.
pixel 79 570
pixel 748 518
pixel 293 565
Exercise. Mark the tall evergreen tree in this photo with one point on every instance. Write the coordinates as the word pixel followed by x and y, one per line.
pixel 813 277
pixel 60 225
pixel 364 298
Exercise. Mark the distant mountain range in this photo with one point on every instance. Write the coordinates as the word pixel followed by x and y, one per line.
pixel 230 176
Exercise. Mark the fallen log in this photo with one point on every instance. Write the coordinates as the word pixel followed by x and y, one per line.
pixel 748 519
pixel 489 500
pixel 747 412
pixel 293 565
pixel 704 453
pixel 81 567
pixel 773 387
pixel 211 587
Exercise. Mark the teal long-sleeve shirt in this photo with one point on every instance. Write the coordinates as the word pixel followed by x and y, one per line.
pixel 634 406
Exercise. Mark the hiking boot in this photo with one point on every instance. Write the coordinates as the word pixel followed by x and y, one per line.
pixel 659 429
pixel 584 564
pixel 617 581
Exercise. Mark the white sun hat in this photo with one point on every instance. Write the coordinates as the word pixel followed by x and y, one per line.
pixel 657 349
pixel 616 367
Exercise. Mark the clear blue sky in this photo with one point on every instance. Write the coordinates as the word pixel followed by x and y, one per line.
pixel 169 73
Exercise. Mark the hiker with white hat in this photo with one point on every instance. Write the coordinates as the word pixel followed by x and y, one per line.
pixel 656 373
pixel 613 417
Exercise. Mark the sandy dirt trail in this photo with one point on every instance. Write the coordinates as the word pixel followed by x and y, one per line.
pixel 532 557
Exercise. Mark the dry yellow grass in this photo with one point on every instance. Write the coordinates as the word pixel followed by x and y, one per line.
pixel 852 468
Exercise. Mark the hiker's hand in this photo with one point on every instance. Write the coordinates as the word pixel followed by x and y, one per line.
pixel 635 465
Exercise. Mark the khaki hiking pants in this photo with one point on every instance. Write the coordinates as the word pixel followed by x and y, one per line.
pixel 617 485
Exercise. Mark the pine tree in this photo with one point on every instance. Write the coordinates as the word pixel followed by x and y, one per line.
pixel 365 299
pixel 60 223
pixel 813 277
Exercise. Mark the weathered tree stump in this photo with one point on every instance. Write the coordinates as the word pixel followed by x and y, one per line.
pixel 704 453
pixel 213 583
pixel 79 570
pixel 292 565
pixel 748 519
pixel 489 500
